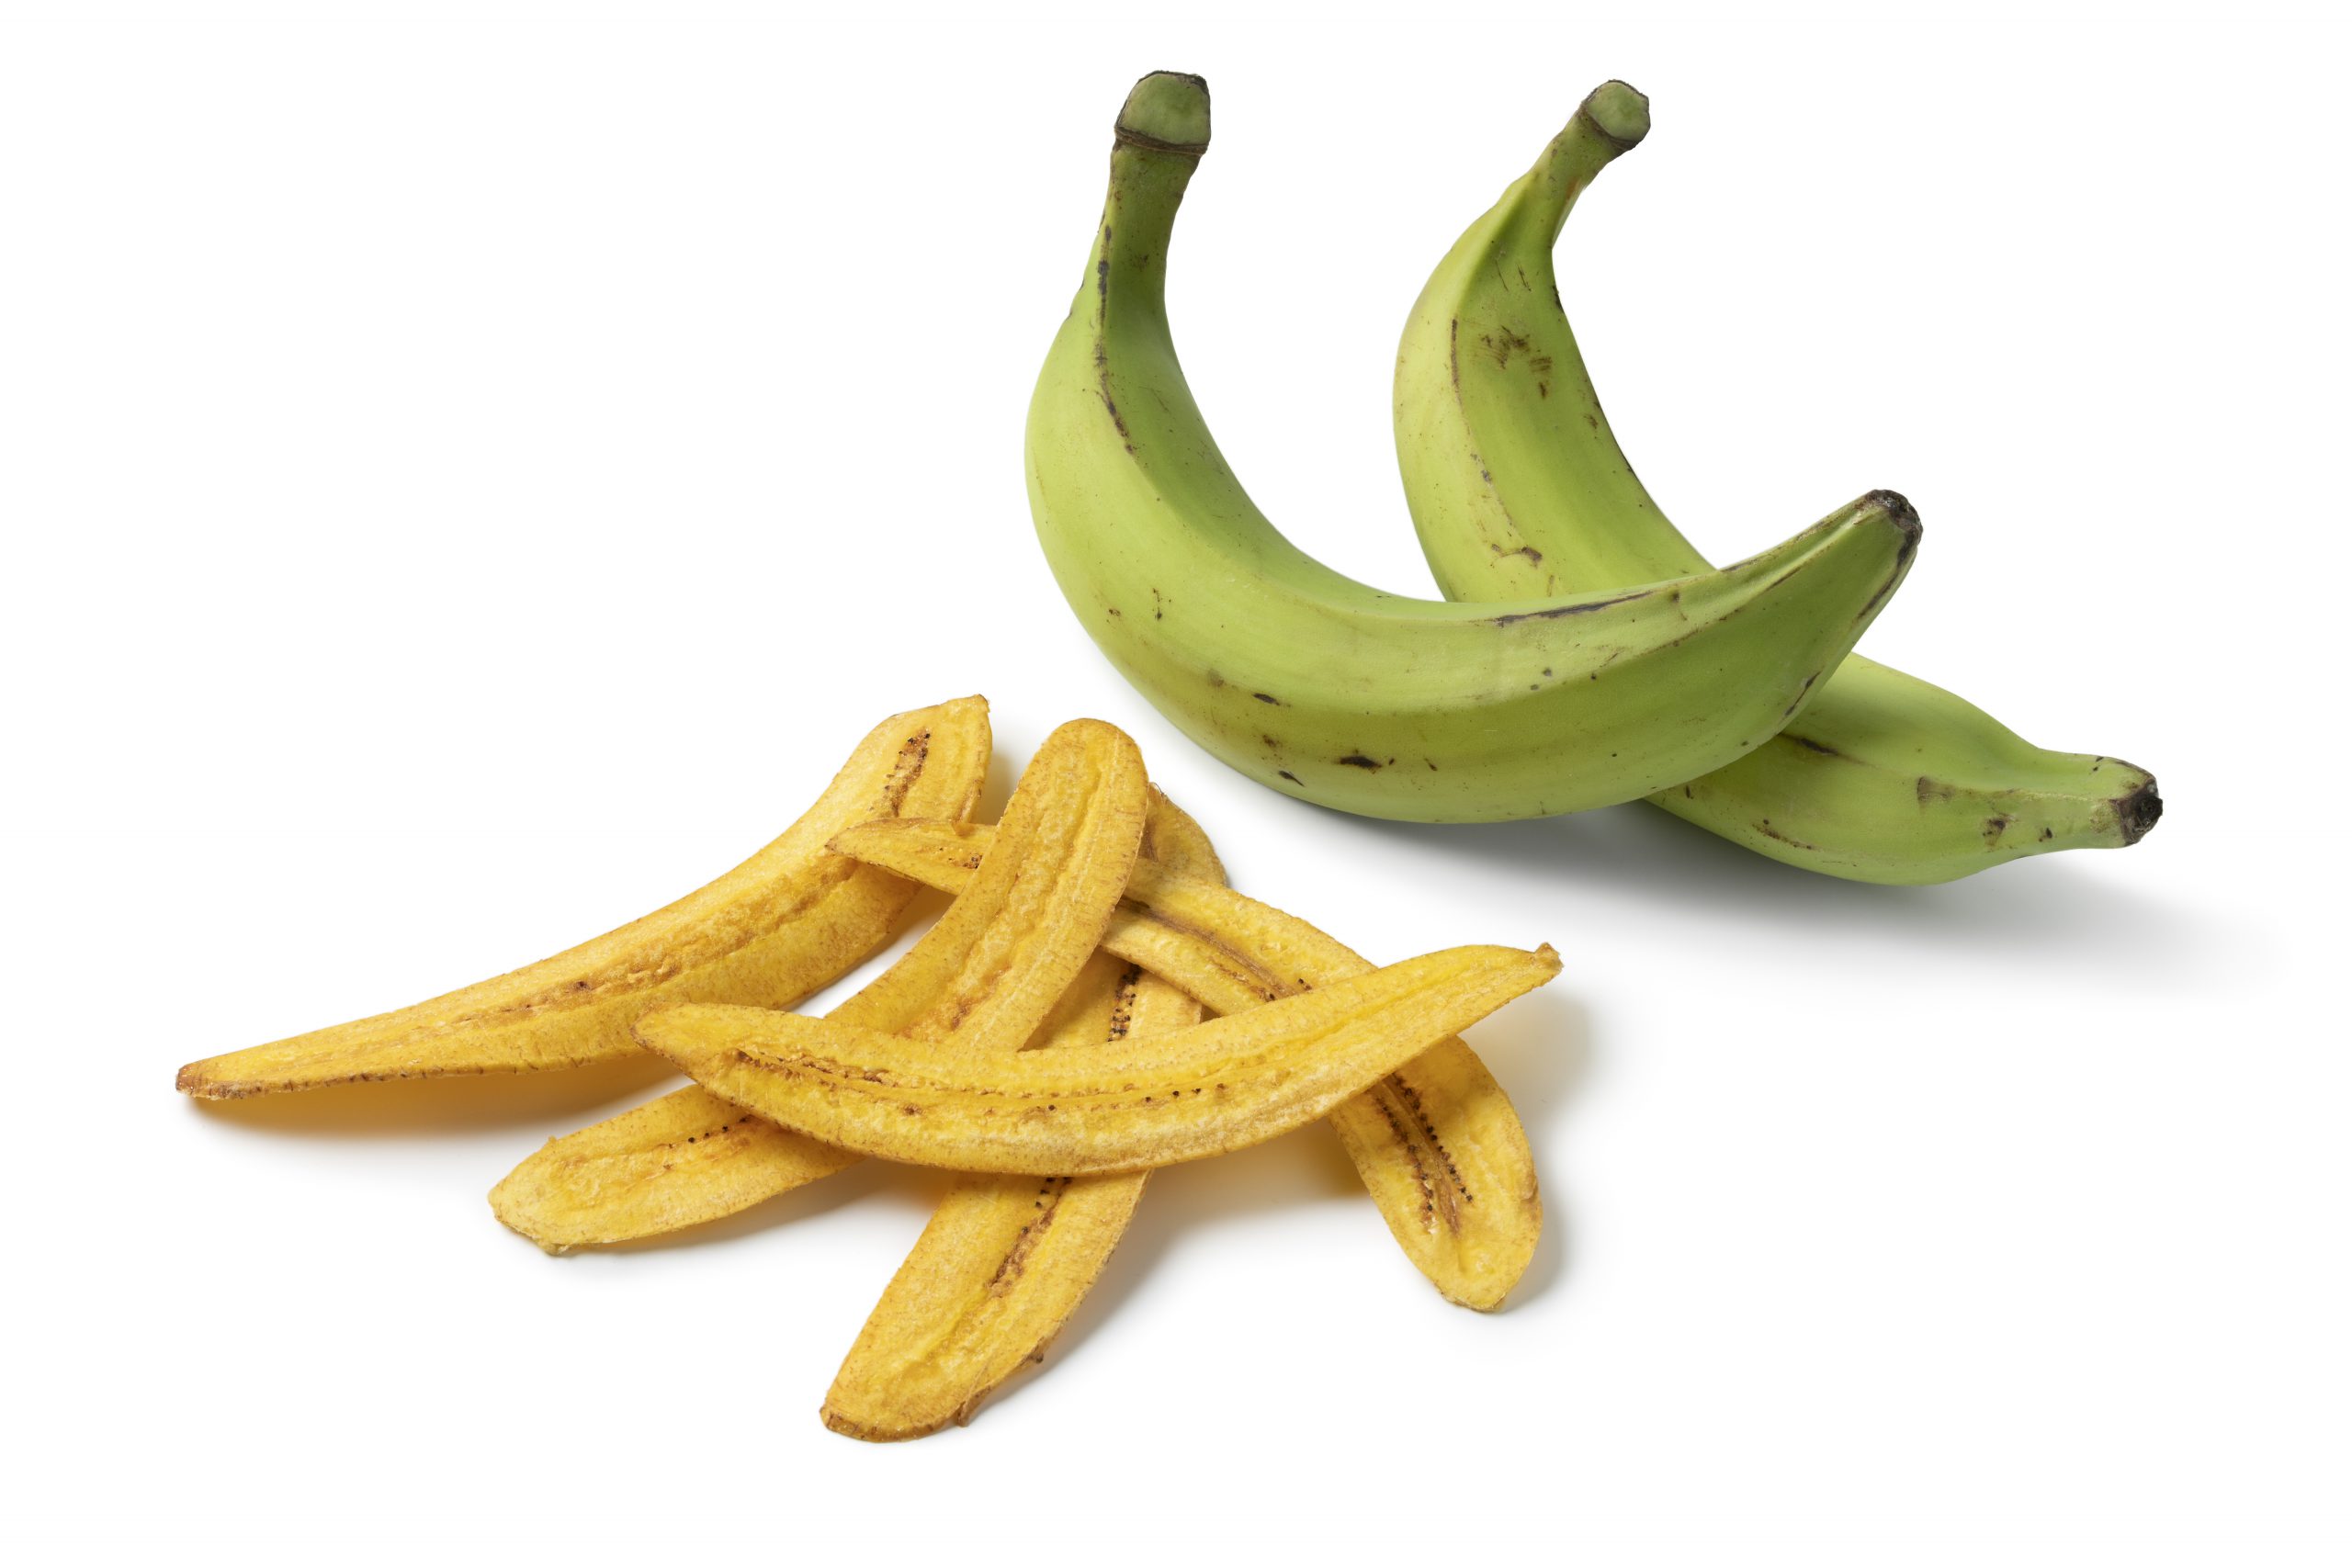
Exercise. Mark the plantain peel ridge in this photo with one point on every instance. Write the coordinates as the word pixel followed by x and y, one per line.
pixel 788 921
pixel 982 979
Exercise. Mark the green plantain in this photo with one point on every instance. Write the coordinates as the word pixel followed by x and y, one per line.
pixel 1332 691
pixel 1517 487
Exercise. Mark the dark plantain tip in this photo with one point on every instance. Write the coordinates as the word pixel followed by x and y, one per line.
pixel 1897 506
pixel 2139 811
pixel 1890 505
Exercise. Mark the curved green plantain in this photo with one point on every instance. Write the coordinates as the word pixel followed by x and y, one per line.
pixel 1517 487
pixel 1329 690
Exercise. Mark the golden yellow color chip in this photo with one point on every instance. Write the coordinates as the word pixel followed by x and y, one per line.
pixel 793 918
pixel 1436 1141
pixel 981 979
pixel 680 1160
pixel 1127 1105
pixel 1173 839
pixel 1006 1259
pixel 1025 924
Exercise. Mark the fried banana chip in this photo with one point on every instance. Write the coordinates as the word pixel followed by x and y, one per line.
pixel 790 921
pixel 1019 932
pixel 1436 1141
pixel 1171 838
pixel 984 977
pixel 1006 1259
pixel 1130 1105
pixel 677 1161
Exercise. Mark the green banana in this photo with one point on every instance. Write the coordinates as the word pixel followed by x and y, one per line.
pixel 1332 691
pixel 1517 486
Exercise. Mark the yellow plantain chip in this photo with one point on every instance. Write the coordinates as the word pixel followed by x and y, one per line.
pixel 944 1337
pixel 1170 838
pixel 1436 1141
pixel 1006 1259
pixel 984 977
pixel 1129 1105
pixel 943 854
pixel 1031 914
pixel 790 921
pixel 684 1158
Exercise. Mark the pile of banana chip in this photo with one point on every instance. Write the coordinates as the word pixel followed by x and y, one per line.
pixel 1045 1038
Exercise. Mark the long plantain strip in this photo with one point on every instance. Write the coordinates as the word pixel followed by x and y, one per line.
pixel 946 1333
pixel 1006 1259
pixel 985 977
pixel 790 921
pixel 1172 838
pixel 677 1161
pixel 1128 1106
pixel 1028 919
pixel 1436 1141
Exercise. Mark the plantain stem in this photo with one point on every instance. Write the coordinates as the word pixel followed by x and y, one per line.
pixel 1612 119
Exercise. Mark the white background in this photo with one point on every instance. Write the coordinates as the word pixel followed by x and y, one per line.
pixel 466 483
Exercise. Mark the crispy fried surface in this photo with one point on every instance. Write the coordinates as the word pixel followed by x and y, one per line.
pixel 1172 838
pixel 1006 1259
pixel 685 1157
pixel 1002 1264
pixel 1131 1105
pixel 980 979
pixel 1030 917
pixel 1436 1141
pixel 789 920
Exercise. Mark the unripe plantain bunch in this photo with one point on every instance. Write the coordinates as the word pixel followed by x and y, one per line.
pixel 1585 653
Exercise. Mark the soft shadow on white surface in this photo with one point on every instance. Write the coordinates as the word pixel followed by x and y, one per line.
pixel 1539 1049
pixel 1004 770
pixel 2045 906
pixel 1302 1167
